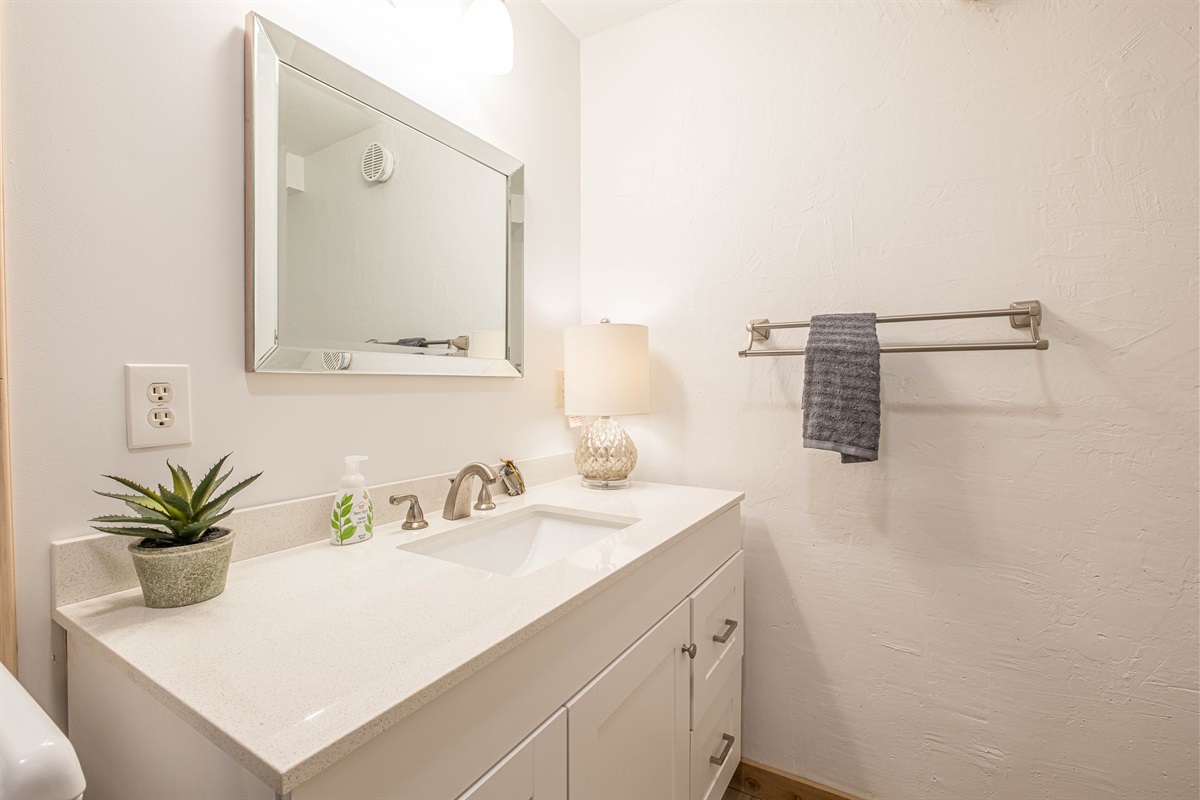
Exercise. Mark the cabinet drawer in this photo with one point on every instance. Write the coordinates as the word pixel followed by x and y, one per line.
pixel 714 755
pixel 536 769
pixel 717 612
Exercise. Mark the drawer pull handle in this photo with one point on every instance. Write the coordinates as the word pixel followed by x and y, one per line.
pixel 690 649
pixel 720 760
pixel 724 637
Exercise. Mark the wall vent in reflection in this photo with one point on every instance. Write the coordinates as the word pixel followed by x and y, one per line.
pixel 334 361
pixel 326 361
pixel 377 163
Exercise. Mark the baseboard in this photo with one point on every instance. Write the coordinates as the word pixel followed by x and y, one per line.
pixel 767 783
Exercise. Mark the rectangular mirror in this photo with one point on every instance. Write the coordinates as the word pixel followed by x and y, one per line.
pixel 380 238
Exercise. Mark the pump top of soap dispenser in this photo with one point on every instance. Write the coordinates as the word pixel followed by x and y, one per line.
pixel 353 478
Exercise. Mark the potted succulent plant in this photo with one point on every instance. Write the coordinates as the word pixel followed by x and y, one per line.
pixel 182 557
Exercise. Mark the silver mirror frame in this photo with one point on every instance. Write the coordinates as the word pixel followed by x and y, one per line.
pixel 267 47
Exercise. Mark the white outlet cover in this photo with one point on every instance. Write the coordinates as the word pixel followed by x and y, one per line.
pixel 138 405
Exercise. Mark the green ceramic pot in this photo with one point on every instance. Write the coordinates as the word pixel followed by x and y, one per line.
pixel 182 576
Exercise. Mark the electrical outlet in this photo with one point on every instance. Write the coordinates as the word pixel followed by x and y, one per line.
pixel 161 417
pixel 160 392
pixel 158 409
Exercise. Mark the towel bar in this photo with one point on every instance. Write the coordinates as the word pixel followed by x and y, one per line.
pixel 1023 314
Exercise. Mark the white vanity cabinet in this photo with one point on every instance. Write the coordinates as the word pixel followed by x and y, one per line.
pixel 656 722
pixel 643 717
pixel 670 720
pixel 635 692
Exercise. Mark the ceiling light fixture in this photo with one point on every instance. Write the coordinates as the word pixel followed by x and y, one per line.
pixel 488 36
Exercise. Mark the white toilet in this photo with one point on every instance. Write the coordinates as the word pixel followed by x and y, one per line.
pixel 36 760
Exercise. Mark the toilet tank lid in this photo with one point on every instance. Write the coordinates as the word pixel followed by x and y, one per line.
pixel 36 760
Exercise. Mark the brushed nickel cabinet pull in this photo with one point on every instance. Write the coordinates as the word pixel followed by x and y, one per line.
pixel 720 760
pixel 690 649
pixel 724 637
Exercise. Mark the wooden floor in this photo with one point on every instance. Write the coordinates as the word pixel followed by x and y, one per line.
pixel 754 781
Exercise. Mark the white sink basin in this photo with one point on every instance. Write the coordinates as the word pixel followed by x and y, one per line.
pixel 520 542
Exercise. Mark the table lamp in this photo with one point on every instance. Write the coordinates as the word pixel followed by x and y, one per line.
pixel 607 373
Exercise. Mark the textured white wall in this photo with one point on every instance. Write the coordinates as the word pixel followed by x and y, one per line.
pixel 1006 604
pixel 123 192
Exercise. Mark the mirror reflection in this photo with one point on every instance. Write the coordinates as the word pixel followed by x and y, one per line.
pixel 392 248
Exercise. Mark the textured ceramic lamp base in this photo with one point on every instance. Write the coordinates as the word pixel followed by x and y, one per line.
pixel 605 455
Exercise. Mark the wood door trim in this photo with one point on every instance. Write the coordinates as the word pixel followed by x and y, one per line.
pixel 8 589
pixel 767 783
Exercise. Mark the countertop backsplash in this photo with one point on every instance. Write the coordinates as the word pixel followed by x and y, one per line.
pixel 91 566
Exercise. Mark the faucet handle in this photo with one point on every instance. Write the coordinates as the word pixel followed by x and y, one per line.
pixel 415 520
pixel 484 501
pixel 510 476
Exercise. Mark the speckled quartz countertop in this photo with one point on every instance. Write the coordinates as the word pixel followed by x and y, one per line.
pixel 312 651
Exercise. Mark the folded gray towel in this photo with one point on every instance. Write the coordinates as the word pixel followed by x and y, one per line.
pixel 418 341
pixel 841 386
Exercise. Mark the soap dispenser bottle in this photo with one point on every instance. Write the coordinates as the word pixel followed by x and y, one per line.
pixel 353 513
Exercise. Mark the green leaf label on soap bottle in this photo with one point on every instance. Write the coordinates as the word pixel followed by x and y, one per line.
pixel 341 522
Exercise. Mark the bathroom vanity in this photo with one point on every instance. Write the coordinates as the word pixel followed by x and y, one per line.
pixel 570 643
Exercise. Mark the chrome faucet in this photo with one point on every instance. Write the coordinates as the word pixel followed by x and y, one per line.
pixel 456 502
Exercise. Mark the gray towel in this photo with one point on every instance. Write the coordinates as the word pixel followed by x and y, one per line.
pixel 841 386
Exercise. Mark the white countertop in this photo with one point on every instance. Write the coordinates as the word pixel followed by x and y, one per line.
pixel 311 652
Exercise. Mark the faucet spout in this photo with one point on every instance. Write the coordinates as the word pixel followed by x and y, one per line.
pixel 458 501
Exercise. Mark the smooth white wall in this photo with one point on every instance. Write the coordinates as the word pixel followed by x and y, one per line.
pixel 1005 605
pixel 421 255
pixel 123 147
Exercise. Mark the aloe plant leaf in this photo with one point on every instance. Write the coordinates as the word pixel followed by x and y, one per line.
pixel 208 483
pixel 181 485
pixel 144 533
pixel 174 525
pixel 202 525
pixel 218 502
pixel 151 514
pixel 145 503
pixel 212 490
pixel 187 481
pixel 220 480
pixel 137 487
pixel 120 518
pixel 176 506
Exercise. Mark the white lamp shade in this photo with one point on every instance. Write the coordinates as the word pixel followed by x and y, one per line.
pixel 606 370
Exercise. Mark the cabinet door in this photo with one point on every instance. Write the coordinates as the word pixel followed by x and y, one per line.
pixel 628 728
pixel 717 611
pixel 536 769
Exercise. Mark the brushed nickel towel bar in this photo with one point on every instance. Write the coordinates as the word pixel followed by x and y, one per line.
pixel 1025 314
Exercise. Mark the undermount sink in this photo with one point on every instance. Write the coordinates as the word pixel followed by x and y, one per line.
pixel 520 542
